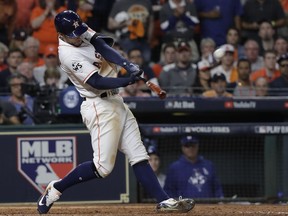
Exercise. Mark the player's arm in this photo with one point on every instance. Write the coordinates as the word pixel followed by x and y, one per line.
pixel 99 82
pixel 100 43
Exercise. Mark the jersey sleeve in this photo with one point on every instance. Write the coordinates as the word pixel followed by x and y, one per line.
pixel 81 69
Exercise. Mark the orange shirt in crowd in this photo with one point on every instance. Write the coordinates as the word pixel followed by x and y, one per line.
pixel 157 69
pixel 3 67
pixel 39 62
pixel 24 9
pixel 284 4
pixel 46 34
pixel 233 76
pixel 262 73
pixel 213 94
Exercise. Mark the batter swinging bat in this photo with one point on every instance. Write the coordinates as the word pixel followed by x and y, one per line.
pixel 155 88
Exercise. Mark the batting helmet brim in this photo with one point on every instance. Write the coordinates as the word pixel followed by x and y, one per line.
pixel 78 31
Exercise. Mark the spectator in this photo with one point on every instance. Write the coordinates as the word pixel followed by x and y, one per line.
pixel 261 87
pixel 18 38
pixel 251 50
pixel 42 22
pixel 3 55
pixel 266 37
pixel 279 86
pixel 51 61
pixel 157 38
pixel 4 47
pixel 169 57
pixel 8 113
pixel 22 102
pixel 207 47
pixel 207 62
pixel 14 58
pixel 203 79
pixel 135 56
pixel 31 51
pixel 133 23
pixel 181 77
pixel 70 4
pixel 84 10
pixel 281 46
pixel 223 14
pixel 192 175
pixel 26 70
pixel 52 78
pixel 226 66
pixel 269 70
pixel 255 11
pixel 243 87
pixel 177 21
pixel 233 38
pixel 24 9
pixel 95 13
pixel 155 162
pixel 8 10
pixel 283 31
pixel 218 87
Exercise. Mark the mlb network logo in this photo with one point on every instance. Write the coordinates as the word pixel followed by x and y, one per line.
pixel 43 159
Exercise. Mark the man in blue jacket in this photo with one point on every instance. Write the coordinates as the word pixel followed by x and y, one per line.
pixel 192 175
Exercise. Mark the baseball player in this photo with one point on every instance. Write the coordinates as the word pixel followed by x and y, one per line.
pixel 91 65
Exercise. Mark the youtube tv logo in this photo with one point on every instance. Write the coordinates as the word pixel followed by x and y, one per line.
pixel 229 105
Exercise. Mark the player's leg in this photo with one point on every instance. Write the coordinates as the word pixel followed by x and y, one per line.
pixel 105 134
pixel 105 139
pixel 133 148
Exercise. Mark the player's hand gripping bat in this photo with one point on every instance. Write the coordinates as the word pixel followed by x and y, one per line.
pixel 155 88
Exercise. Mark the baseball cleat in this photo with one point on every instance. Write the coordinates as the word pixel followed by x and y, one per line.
pixel 47 199
pixel 172 205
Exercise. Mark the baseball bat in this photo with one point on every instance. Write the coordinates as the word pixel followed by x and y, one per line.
pixel 155 88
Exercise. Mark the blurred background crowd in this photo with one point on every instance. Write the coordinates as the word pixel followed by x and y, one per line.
pixel 173 41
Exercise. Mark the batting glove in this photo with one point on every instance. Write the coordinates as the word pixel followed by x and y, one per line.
pixel 135 76
pixel 131 67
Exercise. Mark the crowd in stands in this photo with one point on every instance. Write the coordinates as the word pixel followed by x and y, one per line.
pixel 172 40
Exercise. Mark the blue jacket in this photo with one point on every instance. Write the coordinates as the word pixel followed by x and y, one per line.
pixel 196 180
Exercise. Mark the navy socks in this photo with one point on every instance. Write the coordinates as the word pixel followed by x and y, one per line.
pixel 83 172
pixel 149 181
pixel 87 171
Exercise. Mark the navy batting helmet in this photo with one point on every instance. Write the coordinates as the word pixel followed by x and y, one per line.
pixel 70 24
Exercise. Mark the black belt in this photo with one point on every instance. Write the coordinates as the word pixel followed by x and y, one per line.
pixel 106 94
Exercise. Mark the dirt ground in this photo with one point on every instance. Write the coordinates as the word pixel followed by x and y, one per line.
pixel 146 209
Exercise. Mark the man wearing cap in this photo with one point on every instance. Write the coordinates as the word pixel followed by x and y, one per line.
pixel 218 87
pixel 18 38
pixel 226 66
pixel 180 78
pixel 192 175
pixel 51 61
pixel 279 87
pixel 154 161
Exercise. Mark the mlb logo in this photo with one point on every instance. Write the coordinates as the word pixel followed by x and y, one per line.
pixel 43 159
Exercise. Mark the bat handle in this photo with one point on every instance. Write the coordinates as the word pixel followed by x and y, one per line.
pixel 143 79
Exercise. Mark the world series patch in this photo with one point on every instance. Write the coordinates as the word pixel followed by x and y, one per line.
pixel 43 159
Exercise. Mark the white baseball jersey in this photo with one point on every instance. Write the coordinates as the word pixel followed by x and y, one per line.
pixel 109 120
pixel 80 64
